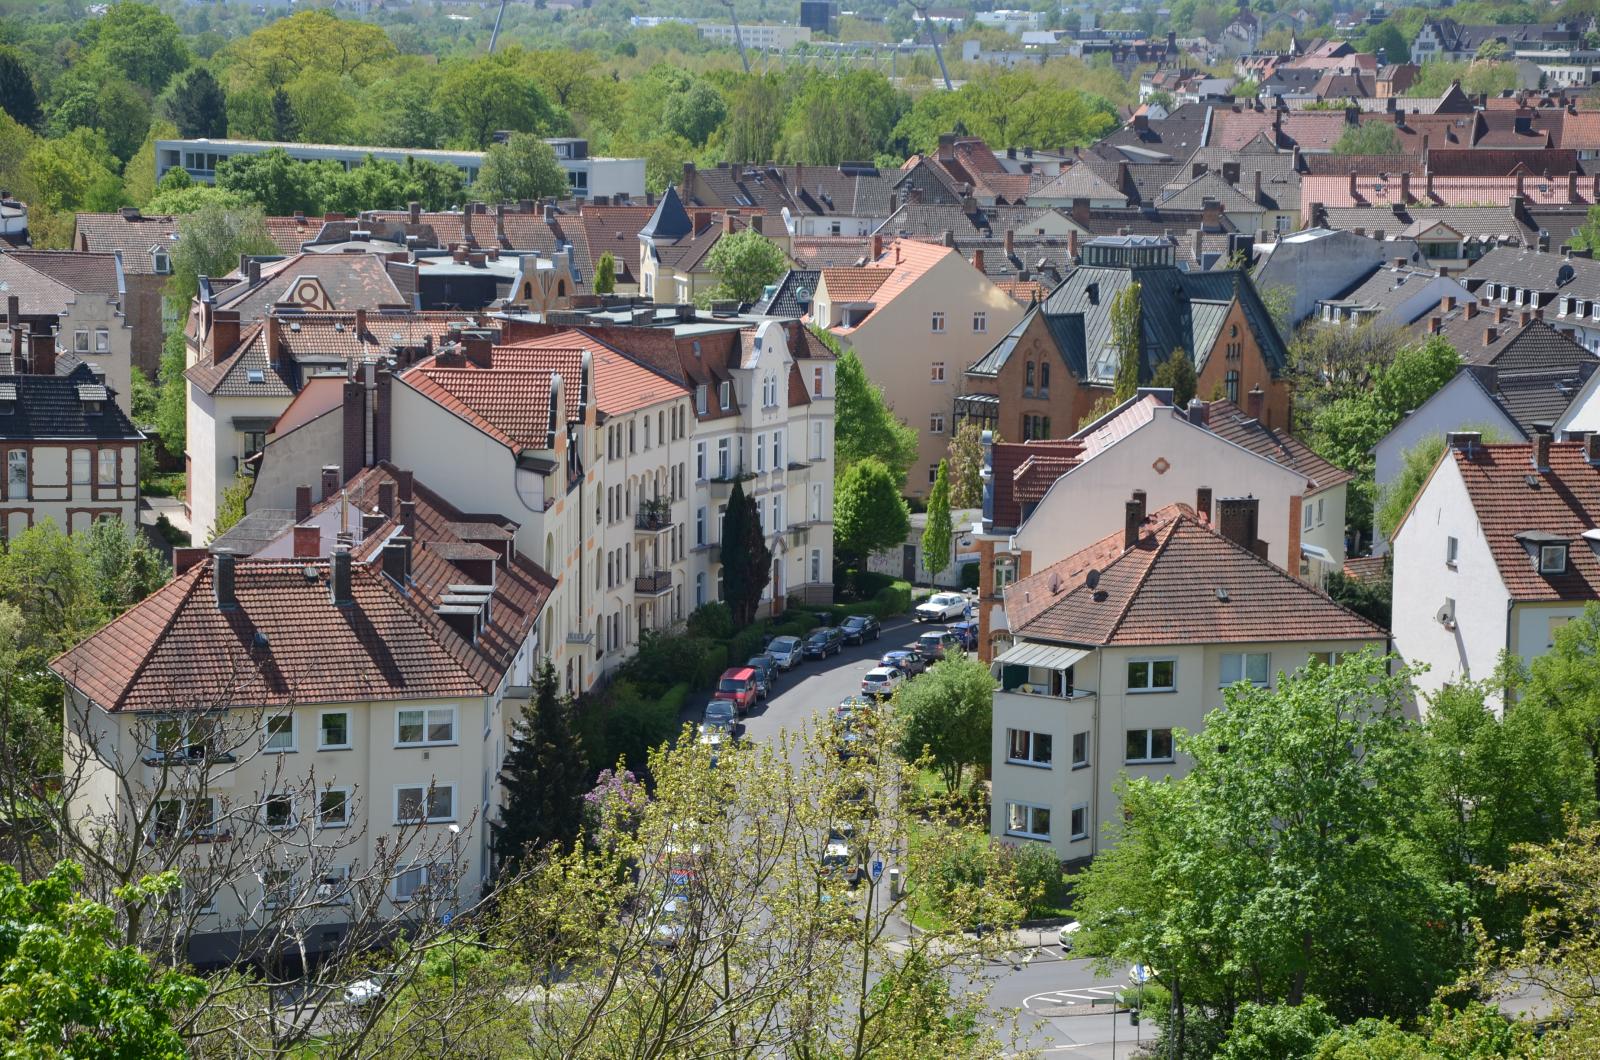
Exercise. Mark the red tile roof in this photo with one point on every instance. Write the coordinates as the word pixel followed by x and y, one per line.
pixel 510 400
pixel 1181 583
pixel 854 285
pixel 622 385
pixel 1563 501
pixel 1229 421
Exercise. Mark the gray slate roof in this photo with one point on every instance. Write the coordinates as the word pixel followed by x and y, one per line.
pixel 786 301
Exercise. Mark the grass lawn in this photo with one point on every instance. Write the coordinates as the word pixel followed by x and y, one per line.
pixel 165 484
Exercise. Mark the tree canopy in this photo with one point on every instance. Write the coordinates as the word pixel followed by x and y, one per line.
pixel 869 514
pixel 744 262
pixel 864 425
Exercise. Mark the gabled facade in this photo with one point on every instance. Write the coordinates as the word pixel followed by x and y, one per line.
pixel 675 243
pixel 145 246
pixel 83 294
pixel 1136 635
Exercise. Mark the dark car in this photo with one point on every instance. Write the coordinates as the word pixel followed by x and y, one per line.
pixel 934 645
pixel 966 633
pixel 858 629
pixel 824 642
pixel 767 670
pixel 907 662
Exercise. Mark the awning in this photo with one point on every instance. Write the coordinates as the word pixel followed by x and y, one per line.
pixel 1044 656
pixel 1317 552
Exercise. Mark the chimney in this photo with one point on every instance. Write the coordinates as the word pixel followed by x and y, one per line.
pixel 1132 519
pixel 408 518
pixel 185 560
pixel 222 580
pixel 397 559
pixel 1470 308
pixel 1591 449
pixel 728 218
pixel 307 542
pixel 371 523
pixel 1257 180
pixel 1447 303
pixel 224 334
pixel 1433 325
pixel 466 223
pixel 405 480
pixel 1405 186
pixel 1463 441
pixel 1237 520
pixel 386 499
pixel 42 354
pixel 414 210
pixel 1489 335
pixel 339 579
pixel 1353 195
pixel 1572 186
pixel 1072 245
pixel 1500 314
pixel 302 503
pixel 1141 120
pixel 12 309
pixel 1199 413
pixel 1254 402
pixel 1520 177
pixel 977 259
pixel 877 246
pixel 1202 503
pixel 252 271
pixel 1523 318
pixel 330 480
pixel 949 238
pixel 1541 451
pixel 478 347
pixel 1210 215
pixel 1080 211
pixel 702 221
pixel 1010 243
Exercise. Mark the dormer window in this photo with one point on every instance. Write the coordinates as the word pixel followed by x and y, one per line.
pixel 1552 559
pixel 700 399
pixel 725 394
pixel 161 263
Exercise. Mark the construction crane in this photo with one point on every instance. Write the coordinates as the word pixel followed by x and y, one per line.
pixel 496 34
pixel 738 38
pixel 922 10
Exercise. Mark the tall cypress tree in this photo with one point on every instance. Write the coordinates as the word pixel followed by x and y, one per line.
pixel 746 559
pixel 936 535
pixel 544 776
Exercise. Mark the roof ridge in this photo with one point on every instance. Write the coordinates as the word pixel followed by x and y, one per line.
pixel 1164 537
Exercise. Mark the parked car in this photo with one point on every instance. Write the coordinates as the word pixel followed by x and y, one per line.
pixel 1064 936
pixel 967 633
pixel 941 607
pixel 858 629
pixel 907 662
pixel 716 735
pixel 719 712
pixel 786 650
pixel 767 667
pixel 737 685
pixel 849 707
pixel 935 644
pixel 881 681
pixel 364 992
pixel 841 856
pixel 824 642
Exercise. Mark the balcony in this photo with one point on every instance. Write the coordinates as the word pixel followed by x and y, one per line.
pixel 722 488
pixel 657 584
pixel 653 518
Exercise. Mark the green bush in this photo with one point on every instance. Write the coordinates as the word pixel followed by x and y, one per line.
pixel 666 659
pixel 969 575
pixel 1039 875
pixel 713 621
pixel 871 583
pixel 745 643
pixel 626 720
pixel 712 661
pixel 894 600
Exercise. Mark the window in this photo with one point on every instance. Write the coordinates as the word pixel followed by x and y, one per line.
pixel 816 382
pixel 188 818
pixel 1319 511
pixel 183 739
pixel 1028 748
pixel 424 727
pixel 1080 750
pixel 102 340
pixel 333 808
pixel 1035 427
pixel 1306 517
pixel 1149 745
pixel 816 440
pixel 699 526
pixel 1044 378
pixel 424 804
pixel 700 399
pixel 761 453
pixel 980 322
pixel 933 473
pixel 277 812
pixel 1452 549
pixel 816 565
pixel 1080 821
pixel 1005 572
pixel 936 423
pixel 1231 386
pixel 1151 675
pixel 80 341
pixel 1028 821
pixel 936 372
pixel 108 467
pixel 414 882
pixel 816 502
pixel 777 450
pixel 280 734
pixel 700 461
pixel 1252 666
pixel 277 887
pixel 161 263
pixel 723 466
pixel 938 323
pixel 80 467
pixel 333 730
pixel 1552 559
pixel 1027 382
pixel 17 473
pixel 1327 658
pixel 725 395
pixel 333 886
pixel 700 589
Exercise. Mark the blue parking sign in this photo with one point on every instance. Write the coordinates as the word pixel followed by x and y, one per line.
pixel 876 870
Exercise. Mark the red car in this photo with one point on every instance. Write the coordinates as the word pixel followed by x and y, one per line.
pixel 737 685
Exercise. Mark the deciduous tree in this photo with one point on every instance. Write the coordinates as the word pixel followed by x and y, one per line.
pixel 605 274
pixel 1127 338
pixel 524 167
pixel 1177 373
pixel 946 714
pixel 142 43
pixel 869 514
pixel 966 464
pixel 18 97
pixel 865 427
pixel 744 262
pixel 936 534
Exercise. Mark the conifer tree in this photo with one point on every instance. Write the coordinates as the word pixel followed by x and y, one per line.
pixel 544 777
pixel 746 559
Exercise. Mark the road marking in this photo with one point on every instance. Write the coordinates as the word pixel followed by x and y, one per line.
pixel 1081 994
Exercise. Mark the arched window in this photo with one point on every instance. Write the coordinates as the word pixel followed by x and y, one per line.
pixel 561 288
pixel 1028 383
pixel 1044 376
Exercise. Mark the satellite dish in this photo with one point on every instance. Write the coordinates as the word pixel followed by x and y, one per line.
pixel 1092 579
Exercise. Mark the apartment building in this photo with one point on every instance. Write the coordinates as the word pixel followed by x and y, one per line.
pixel 332 705
pixel 587 175
pixel 144 246
pixel 80 298
pixel 1114 648
pixel 675 246
pixel 775 38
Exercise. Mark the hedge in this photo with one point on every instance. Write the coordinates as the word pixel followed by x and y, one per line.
pixel 889 601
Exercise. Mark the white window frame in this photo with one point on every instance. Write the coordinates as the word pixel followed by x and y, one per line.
pixel 427 724
pixel 1086 737
pixel 333 886
pixel 267 735
pixel 323 793
pixel 1240 662
pixel 1027 831
pixel 322 716
pixel 185 805
pixel 82 467
pixel 1029 757
pixel 80 341
pixel 700 461
pixel 725 395
pixel 279 797
pixel 1149 756
pixel 288 884
pixel 1452 551
pixel 936 324
pixel 161 263
pixel 102 340
pixel 1150 686
pixel 106 467
pixel 936 372
pixel 16 471
pixel 426 789
pixel 936 423
pixel 425 881
pixel 1546 566
pixel 700 399
pixel 1075 833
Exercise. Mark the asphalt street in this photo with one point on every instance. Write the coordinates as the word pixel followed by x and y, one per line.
pixel 1062 1006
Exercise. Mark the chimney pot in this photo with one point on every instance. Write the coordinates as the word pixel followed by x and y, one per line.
pixel 1237 520
pixel 1133 519
pixel 1255 402
pixel 307 541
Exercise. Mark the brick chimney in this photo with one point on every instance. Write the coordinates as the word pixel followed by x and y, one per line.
pixel 414 212
pixel 1210 215
pixel 1072 245
pixel 1010 242
pixel 185 559
pixel 1463 441
pixel 977 259
pixel 478 347
pixel 1489 335
pixel 1202 503
pixel 386 499
pixel 307 541
pixel 1353 196
pixel 405 479
pixel 222 586
pixel 466 223
pixel 1471 309
pixel 1433 325
pixel 1591 449
pixel 1405 185
pixel 1255 402
pixel 339 579
pixel 330 480
pixel 877 246
pixel 1447 303
pixel 302 503
pixel 408 517
pixel 224 334
pixel 1541 451
pixel 1133 513
pixel 1080 211
pixel 1237 520
pixel 1500 314
pixel 1199 412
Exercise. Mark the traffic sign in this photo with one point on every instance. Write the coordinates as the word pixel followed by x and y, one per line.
pixel 445 918
pixel 876 869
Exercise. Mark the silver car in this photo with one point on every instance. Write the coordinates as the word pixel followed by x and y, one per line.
pixel 786 650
